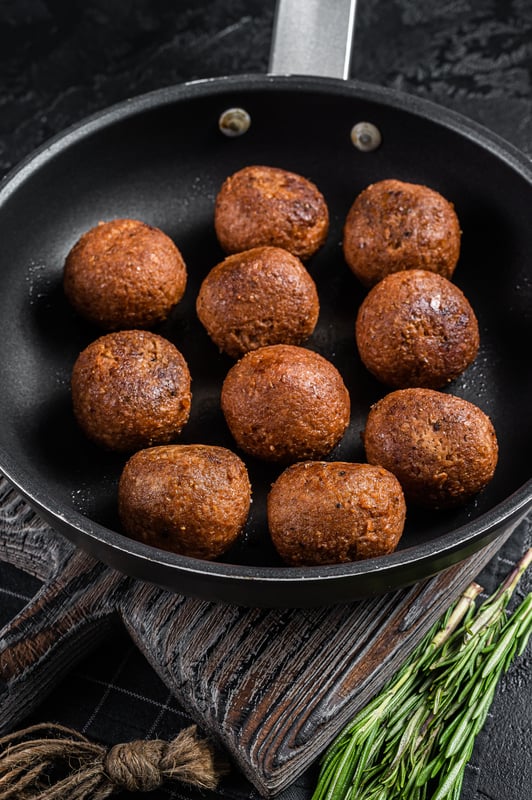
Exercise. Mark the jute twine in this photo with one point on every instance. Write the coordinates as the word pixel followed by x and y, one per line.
pixel 64 764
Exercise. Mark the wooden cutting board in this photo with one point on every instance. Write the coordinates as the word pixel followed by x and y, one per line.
pixel 274 687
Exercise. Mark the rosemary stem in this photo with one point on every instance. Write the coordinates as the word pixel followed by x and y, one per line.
pixel 464 604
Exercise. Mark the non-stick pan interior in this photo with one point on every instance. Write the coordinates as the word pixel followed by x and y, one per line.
pixel 162 159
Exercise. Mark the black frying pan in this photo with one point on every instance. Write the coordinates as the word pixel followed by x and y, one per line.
pixel 162 158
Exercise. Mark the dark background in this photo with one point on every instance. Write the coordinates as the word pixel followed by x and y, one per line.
pixel 61 60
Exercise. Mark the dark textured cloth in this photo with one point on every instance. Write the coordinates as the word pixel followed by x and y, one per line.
pixel 63 59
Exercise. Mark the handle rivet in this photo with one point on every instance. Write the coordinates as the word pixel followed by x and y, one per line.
pixel 366 136
pixel 234 122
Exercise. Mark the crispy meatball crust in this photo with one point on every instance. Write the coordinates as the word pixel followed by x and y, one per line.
pixel 269 206
pixel 259 297
pixel 124 274
pixel 285 403
pixel 189 499
pixel 131 389
pixel 416 328
pixel 394 225
pixel 442 449
pixel 329 513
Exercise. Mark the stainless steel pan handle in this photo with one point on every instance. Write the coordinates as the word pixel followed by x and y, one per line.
pixel 313 37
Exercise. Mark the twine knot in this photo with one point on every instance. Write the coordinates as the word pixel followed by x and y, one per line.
pixel 137 766
pixel 85 770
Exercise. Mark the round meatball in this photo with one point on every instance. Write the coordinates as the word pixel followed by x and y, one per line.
pixel 329 513
pixel 259 297
pixel 394 225
pixel 415 328
pixel 270 206
pixel 131 389
pixel 124 274
pixel 285 403
pixel 442 449
pixel 190 499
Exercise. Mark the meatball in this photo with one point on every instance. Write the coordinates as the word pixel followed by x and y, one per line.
pixel 284 403
pixel 394 225
pixel 124 274
pixel 415 328
pixel 442 449
pixel 131 389
pixel 328 513
pixel 189 499
pixel 259 297
pixel 270 206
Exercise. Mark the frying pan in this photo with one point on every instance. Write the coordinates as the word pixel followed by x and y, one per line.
pixel 161 158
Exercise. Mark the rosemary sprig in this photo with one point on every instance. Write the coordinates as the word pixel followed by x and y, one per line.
pixel 412 741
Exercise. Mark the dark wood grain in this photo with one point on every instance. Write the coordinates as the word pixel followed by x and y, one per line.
pixel 273 686
pixel 277 685
pixel 69 615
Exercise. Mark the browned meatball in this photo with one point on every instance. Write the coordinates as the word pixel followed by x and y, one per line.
pixel 394 225
pixel 124 274
pixel 270 206
pixel 285 403
pixel 443 449
pixel 190 499
pixel 131 389
pixel 415 328
pixel 255 298
pixel 328 513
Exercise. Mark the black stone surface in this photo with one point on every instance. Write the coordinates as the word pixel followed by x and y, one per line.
pixel 63 59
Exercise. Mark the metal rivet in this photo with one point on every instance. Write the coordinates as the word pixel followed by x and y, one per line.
pixel 365 136
pixel 234 122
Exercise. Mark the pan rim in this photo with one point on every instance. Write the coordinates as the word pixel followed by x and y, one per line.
pixel 444 545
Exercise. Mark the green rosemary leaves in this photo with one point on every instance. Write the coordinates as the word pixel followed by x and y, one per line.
pixel 413 740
